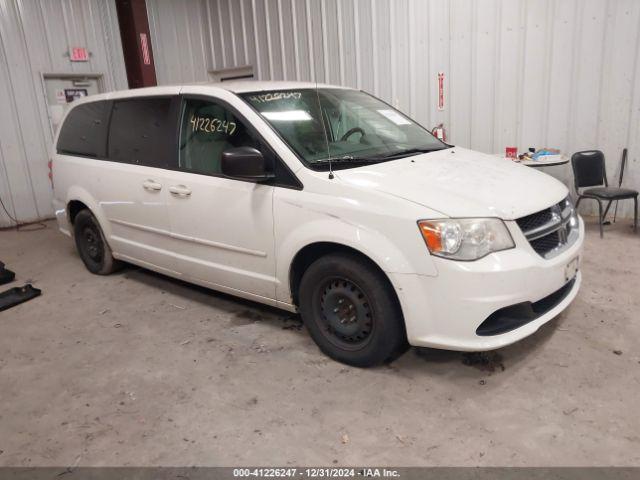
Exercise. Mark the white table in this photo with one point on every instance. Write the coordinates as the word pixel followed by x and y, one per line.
pixel 544 161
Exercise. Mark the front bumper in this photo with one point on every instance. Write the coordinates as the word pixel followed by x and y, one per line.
pixel 446 310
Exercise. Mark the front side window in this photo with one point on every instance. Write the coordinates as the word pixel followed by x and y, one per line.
pixel 141 132
pixel 347 126
pixel 208 129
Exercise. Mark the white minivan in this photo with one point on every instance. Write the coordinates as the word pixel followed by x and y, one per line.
pixel 321 200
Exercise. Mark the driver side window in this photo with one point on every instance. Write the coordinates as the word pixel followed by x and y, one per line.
pixel 208 129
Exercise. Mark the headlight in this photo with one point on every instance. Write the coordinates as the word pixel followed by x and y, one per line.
pixel 465 238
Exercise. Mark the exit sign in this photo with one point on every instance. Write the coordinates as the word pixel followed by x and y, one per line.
pixel 79 54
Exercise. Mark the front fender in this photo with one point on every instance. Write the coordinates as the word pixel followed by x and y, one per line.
pixel 386 252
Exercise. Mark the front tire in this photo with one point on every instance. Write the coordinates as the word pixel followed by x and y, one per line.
pixel 92 246
pixel 351 311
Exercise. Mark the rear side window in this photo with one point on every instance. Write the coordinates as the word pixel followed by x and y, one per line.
pixel 142 132
pixel 84 131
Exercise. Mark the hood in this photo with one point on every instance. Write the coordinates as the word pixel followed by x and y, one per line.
pixel 462 183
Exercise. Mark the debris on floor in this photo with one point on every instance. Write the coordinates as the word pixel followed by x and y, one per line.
pixel 261 348
pixel 484 361
pixel 249 315
pixel 292 323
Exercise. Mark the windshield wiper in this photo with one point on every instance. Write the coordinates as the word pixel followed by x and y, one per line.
pixel 410 152
pixel 349 160
pixel 342 162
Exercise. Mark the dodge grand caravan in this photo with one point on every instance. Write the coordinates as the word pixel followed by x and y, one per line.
pixel 322 200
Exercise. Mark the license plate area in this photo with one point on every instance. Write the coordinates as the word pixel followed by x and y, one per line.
pixel 571 269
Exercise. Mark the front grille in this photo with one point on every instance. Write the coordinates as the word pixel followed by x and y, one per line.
pixel 552 230
pixel 535 220
pixel 545 244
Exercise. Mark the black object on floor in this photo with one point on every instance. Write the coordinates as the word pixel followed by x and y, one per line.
pixel 14 296
pixel 6 276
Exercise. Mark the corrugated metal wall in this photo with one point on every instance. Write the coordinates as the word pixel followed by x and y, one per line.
pixel 35 37
pixel 563 73
pixel 558 73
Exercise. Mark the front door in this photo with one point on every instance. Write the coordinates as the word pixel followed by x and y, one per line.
pixel 222 229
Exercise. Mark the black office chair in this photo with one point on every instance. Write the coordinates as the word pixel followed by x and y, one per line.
pixel 589 171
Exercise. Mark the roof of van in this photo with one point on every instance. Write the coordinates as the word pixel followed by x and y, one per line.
pixel 239 86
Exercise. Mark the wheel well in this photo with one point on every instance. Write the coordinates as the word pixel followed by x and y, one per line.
pixel 73 208
pixel 309 254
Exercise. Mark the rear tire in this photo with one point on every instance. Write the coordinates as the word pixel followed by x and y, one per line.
pixel 351 311
pixel 92 246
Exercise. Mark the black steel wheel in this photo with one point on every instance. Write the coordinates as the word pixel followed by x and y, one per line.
pixel 351 310
pixel 91 244
pixel 346 314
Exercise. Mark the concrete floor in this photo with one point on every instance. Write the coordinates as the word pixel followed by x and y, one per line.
pixel 139 369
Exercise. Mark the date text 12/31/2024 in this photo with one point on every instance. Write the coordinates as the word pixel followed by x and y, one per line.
pixel 316 472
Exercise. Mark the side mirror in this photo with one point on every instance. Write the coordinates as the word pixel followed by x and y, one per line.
pixel 245 163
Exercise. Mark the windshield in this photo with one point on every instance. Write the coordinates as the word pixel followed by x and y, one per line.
pixel 359 127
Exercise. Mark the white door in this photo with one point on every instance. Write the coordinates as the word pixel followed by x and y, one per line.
pixel 222 228
pixel 134 199
pixel 133 186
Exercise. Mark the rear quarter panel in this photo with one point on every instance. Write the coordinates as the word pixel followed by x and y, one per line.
pixel 77 178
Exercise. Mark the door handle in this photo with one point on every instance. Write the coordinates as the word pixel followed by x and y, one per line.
pixel 152 186
pixel 180 190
